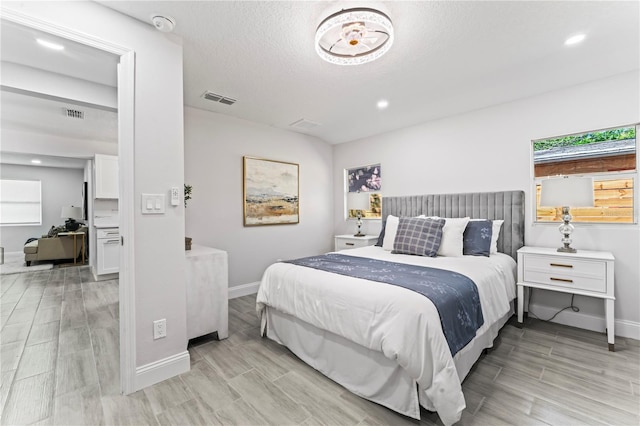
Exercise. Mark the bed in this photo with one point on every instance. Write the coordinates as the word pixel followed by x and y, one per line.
pixel 386 343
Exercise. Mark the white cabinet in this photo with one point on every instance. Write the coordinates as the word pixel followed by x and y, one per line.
pixel 207 283
pixel 106 176
pixel 108 250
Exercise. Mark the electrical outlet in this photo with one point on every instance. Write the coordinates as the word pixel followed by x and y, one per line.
pixel 159 329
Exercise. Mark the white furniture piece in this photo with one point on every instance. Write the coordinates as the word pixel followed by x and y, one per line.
pixel 106 176
pixel 108 250
pixel 344 242
pixel 586 273
pixel 207 283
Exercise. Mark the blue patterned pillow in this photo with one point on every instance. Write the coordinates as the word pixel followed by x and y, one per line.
pixel 477 238
pixel 418 236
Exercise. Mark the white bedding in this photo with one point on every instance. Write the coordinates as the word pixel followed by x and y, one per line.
pixel 403 325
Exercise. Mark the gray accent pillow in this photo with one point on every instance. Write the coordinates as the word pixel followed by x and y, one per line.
pixel 418 236
pixel 381 236
pixel 477 238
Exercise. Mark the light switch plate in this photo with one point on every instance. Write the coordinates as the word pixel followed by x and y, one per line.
pixel 153 203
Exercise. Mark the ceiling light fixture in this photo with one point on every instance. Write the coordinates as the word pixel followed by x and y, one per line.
pixel 36 161
pixel 382 104
pixel 574 40
pixel 50 45
pixel 354 36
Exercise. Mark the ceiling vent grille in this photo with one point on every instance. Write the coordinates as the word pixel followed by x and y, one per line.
pixel 304 124
pixel 74 113
pixel 210 96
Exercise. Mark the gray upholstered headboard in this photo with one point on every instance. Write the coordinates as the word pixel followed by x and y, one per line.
pixel 507 205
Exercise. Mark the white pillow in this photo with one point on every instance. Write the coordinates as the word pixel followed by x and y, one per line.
pixel 390 230
pixel 495 233
pixel 452 237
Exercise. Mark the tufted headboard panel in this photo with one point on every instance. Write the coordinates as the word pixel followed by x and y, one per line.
pixel 506 205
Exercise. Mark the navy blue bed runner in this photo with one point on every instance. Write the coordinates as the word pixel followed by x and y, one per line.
pixel 454 295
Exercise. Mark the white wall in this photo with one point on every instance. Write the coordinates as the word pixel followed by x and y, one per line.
pixel 20 141
pixel 214 147
pixel 489 150
pixel 34 80
pixel 60 187
pixel 159 150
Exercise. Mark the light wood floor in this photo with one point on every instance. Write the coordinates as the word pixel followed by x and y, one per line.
pixel 59 360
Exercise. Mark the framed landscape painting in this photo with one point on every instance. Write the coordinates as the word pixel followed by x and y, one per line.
pixel 271 192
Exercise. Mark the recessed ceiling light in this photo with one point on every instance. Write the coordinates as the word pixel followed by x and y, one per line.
pixel 574 39
pixel 36 161
pixel 382 104
pixel 50 45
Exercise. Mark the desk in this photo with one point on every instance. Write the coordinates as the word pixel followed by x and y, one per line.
pixel 75 244
pixel 207 282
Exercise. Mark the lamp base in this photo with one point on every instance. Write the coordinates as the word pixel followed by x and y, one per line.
pixel 567 250
pixel 359 234
pixel 72 225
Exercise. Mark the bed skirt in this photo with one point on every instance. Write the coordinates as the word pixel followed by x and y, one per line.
pixel 365 372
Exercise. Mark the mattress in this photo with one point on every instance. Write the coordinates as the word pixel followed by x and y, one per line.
pixel 400 324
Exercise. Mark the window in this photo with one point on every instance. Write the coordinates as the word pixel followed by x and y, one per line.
pixel 608 156
pixel 20 202
pixel 362 192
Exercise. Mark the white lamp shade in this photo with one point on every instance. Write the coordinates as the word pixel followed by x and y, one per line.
pixel 71 212
pixel 358 201
pixel 567 192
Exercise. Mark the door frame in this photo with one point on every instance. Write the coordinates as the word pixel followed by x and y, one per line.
pixel 126 165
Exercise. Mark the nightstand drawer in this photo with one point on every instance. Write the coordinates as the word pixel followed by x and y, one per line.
pixel 346 242
pixel 565 266
pixel 566 280
pixel 350 244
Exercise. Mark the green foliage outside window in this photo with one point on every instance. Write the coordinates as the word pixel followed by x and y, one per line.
pixel 586 138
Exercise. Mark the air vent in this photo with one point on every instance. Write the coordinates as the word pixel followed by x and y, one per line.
pixel 210 96
pixel 304 124
pixel 74 113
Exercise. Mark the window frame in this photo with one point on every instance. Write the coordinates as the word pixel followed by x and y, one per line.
pixel 613 175
pixel 39 203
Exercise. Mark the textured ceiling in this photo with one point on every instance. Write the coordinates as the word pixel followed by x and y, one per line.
pixel 447 58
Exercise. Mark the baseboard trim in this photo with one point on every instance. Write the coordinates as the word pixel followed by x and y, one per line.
pixel 243 290
pixel 623 328
pixel 163 369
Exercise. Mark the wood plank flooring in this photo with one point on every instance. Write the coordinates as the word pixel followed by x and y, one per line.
pixel 60 365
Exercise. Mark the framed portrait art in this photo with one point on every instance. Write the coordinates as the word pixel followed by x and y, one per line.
pixel 271 192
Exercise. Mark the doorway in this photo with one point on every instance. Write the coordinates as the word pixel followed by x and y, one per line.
pixel 125 119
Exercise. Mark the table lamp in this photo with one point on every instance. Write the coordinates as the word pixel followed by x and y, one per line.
pixel 567 192
pixel 71 214
pixel 358 201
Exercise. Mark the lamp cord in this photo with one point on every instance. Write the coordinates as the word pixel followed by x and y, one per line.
pixel 571 306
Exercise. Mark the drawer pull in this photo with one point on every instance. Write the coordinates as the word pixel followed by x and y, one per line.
pixel 561 265
pixel 564 280
pixel 349 244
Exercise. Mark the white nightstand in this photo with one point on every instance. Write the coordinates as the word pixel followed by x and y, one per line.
pixel 587 273
pixel 348 241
